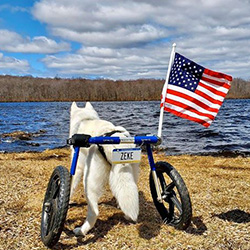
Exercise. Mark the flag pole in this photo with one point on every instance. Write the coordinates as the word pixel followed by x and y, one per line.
pixel 164 90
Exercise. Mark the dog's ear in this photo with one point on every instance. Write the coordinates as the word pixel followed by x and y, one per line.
pixel 73 106
pixel 89 106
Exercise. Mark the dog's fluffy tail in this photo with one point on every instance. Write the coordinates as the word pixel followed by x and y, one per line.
pixel 124 187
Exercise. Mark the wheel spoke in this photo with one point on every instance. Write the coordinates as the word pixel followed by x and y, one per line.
pixel 170 196
pixel 165 188
pixel 55 189
pixel 171 210
pixel 176 202
pixel 52 214
pixel 162 181
pixel 51 222
pixel 169 187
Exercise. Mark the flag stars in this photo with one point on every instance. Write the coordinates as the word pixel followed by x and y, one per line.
pixel 185 73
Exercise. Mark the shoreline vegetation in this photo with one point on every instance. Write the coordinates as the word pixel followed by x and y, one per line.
pixel 218 186
pixel 33 89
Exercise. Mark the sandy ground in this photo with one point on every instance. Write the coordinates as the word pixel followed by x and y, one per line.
pixel 219 190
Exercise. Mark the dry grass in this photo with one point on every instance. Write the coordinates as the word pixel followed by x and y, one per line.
pixel 219 189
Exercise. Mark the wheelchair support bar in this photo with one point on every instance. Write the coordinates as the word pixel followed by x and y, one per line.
pixel 82 140
pixel 74 161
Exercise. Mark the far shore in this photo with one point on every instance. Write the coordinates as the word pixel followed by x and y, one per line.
pixel 73 100
pixel 32 89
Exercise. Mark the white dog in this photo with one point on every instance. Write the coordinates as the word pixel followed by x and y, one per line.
pixel 96 169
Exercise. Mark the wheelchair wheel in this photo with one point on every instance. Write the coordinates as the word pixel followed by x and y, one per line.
pixel 175 209
pixel 55 206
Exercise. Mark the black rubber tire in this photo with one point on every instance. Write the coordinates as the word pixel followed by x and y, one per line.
pixel 176 208
pixel 55 206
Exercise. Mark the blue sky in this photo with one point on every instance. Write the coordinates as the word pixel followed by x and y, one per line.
pixel 122 39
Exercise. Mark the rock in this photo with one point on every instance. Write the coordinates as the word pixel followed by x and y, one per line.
pixel 22 135
pixel 18 135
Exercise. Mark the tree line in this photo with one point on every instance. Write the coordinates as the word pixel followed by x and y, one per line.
pixel 29 89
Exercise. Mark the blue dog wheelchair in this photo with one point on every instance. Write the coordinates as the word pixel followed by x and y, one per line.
pixel 168 190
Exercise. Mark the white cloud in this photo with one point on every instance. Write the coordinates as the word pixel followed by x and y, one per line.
pixel 12 42
pixel 10 64
pixel 91 16
pixel 135 36
pixel 125 63
pixel 130 39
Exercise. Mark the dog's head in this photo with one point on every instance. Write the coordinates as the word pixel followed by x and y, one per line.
pixel 86 113
pixel 78 115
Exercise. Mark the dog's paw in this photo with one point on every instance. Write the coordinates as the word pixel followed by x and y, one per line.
pixel 128 219
pixel 78 232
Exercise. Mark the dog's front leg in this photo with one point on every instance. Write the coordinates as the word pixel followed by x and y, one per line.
pixel 92 200
pixel 77 177
pixel 90 220
pixel 95 177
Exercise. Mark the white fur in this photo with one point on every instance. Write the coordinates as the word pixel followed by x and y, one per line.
pixel 96 171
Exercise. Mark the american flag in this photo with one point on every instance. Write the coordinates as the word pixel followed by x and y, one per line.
pixel 194 92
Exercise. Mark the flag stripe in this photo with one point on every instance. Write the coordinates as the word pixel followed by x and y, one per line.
pixel 190 104
pixel 218 91
pixel 222 80
pixel 200 101
pixel 209 93
pixel 223 84
pixel 189 108
pixel 215 80
pixel 204 123
pixel 215 87
pixel 218 75
pixel 187 112
pixel 209 98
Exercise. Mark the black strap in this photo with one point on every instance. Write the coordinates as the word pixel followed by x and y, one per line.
pixel 111 133
pixel 101 149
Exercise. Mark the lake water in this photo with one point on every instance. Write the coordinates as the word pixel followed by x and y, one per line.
pixel 228 135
